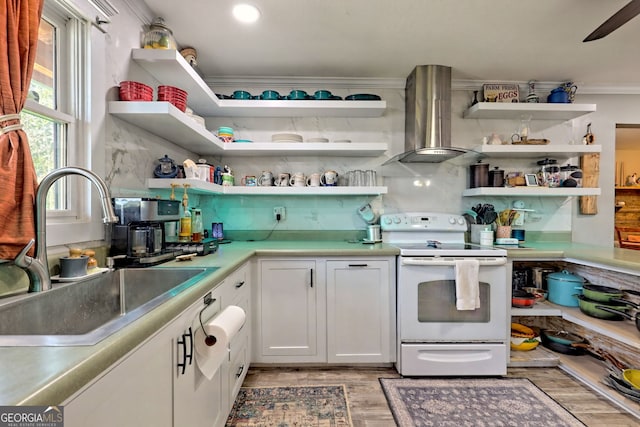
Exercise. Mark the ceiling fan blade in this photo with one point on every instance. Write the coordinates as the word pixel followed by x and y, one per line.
pixel 617 20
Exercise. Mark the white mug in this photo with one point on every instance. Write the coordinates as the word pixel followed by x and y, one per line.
pixel 266 179
pixel 313 180
pixel 329 179
pixel 298 180
pixel 283 180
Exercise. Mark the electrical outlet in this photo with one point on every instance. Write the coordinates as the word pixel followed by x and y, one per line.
pixel 279 213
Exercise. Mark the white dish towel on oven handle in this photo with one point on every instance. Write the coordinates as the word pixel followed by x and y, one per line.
pixel 467 284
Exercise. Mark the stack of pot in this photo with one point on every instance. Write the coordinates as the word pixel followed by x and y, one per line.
pixel 481 176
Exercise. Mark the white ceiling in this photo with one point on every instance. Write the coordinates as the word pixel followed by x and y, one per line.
pixel 497 40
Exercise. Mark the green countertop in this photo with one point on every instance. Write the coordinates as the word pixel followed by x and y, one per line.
pixel 625 260
pixel 49 375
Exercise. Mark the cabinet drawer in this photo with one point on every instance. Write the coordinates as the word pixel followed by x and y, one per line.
pixel 236 287
pixel 239 364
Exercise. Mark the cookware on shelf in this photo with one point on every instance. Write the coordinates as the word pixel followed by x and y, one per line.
pixel 632 377
pixel 560 337
pixel 605 293
pixel 622 313
pixel 592 308
pixel 563 287
pixel 539 293
pixel 522 299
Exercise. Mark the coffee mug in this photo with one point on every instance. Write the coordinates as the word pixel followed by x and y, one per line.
pixel 313 180
pixel 329 179
pixel 266 179
pixel 298 180
pixel 249 181
pixel 227 179
pixel 283 180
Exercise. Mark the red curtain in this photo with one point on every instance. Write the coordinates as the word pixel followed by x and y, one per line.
pixel 19 22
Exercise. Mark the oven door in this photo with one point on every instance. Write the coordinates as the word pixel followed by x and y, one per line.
pixel 427 301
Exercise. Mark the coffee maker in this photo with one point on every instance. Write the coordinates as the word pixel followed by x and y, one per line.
pixel 139 236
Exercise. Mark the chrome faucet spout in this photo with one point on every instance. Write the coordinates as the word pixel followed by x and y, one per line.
pixel 37 267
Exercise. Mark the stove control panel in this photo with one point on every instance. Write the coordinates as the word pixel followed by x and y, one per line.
pixel 421 221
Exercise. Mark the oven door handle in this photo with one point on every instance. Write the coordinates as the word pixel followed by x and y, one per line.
pixel 450 262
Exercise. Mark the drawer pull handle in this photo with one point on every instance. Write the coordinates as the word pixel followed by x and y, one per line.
pixel 240 371
pixel 239 284
pixel 358 265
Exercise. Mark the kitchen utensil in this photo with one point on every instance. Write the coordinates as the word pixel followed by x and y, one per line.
pixel 562 348
pixel 166 168
pixel 591 308
pixel 270 95
pixel 622 313
pixel 620 385
pixel 563 288
pixel 560 337
pixel 522 299
pixel 632 377
pixel 524 344
pixel 297 94
pixel 539 293
pixel 558 96
pixel 539 276
pixel 490 217
pixel 606 293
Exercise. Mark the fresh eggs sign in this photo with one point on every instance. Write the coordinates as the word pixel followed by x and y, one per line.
pixel 31 416
pixel 501 93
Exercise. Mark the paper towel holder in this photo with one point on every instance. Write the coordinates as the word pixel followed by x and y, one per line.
pixel 209 340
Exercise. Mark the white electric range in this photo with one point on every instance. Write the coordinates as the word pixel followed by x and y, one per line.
pixel 434 337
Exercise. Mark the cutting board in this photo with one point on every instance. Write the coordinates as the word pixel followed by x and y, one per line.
pixel 590 165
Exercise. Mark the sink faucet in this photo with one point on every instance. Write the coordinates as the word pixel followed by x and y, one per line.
pixel 37 267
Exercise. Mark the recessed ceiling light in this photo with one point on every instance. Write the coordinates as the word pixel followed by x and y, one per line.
pixel 246 13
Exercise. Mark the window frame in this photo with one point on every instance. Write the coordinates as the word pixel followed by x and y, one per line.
pixel 73 63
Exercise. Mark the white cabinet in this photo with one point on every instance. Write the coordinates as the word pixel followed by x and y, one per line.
pixel 197 400
pixel 136 391
pixel 360 311
pixel 289 315
pixel 236 290
pixel 337 310
pixel 160 384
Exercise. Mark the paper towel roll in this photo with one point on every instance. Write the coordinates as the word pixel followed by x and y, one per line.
pixel 224 327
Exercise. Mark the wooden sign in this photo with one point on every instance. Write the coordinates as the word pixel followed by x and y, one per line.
pixel 501 93
pixel 590 165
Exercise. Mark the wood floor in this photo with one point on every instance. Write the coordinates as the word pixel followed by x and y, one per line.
pixel 369 407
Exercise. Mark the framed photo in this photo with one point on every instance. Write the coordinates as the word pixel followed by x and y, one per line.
pixel 531 180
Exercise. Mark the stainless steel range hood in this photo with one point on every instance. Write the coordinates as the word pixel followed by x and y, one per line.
pixel 428 116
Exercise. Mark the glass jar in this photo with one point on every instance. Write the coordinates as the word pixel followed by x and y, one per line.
pixel 570 176
pixel 549 175
pixel 196 225
pixel 159 36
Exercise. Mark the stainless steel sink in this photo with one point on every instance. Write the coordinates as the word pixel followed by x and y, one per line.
pixel 86 312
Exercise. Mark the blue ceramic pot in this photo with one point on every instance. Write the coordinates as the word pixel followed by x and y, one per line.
pixel 558 96
pixel 564 288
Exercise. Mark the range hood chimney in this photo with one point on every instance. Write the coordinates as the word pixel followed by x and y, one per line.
pixel 428 116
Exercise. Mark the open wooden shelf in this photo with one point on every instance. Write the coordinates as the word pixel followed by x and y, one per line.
pixel 524 110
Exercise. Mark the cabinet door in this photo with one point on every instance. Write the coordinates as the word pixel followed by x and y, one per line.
pixel 136 392
pixel 360 311
pixel 197 400
pixel 290 305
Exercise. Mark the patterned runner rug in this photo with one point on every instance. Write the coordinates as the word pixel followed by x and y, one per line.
pixel 473 402
pixel 318 406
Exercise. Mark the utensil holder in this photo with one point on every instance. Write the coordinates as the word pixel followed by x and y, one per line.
pixel 503 231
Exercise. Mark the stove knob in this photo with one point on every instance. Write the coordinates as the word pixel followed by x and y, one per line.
pixel 396 220
pixel 461 220
pixel 387 220
pixel 452 220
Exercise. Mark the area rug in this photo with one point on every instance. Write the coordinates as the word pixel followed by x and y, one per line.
pixel 318 406
pixel 473 402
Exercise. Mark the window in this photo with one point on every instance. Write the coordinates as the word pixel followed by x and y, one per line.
pixel 50 117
